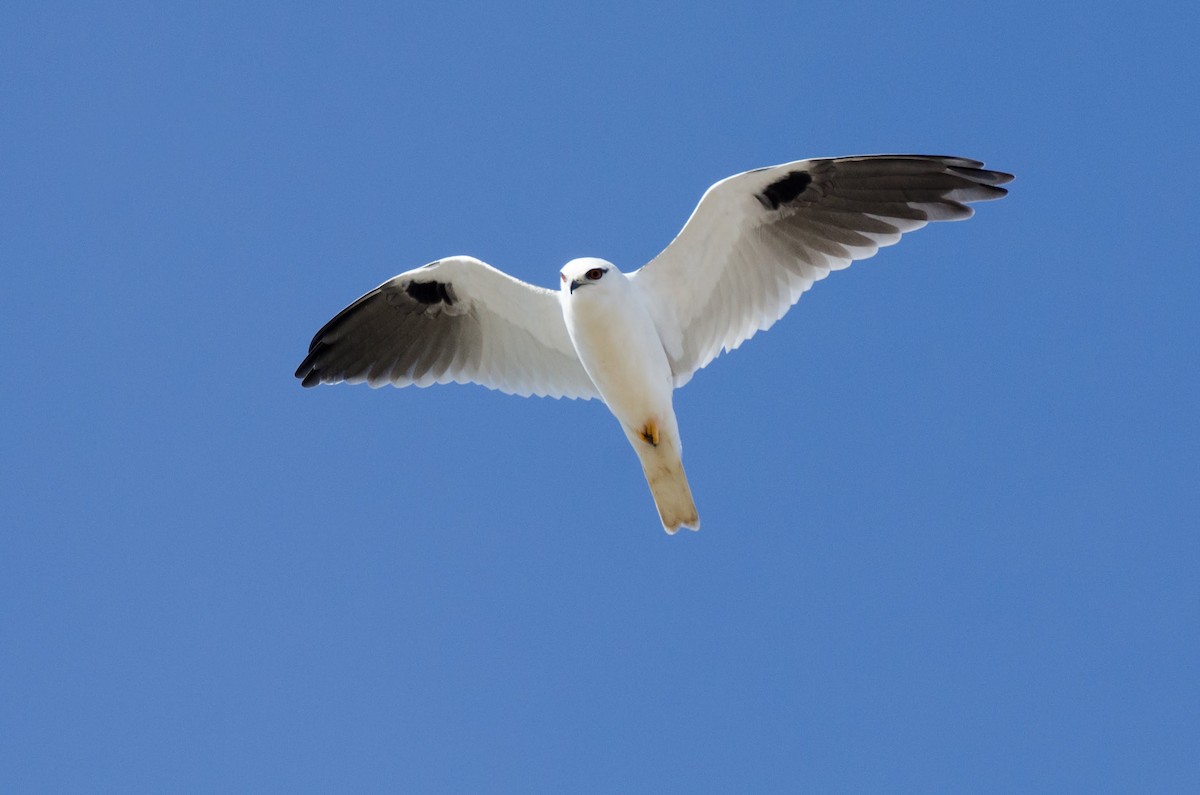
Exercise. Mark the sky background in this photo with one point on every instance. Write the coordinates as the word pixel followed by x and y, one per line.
pixel 951 518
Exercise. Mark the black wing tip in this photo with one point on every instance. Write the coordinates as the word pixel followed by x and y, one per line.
pixel 312 371
pixel 976 183
pixel 963 166
pixel 336 353
pixel 308 372
pixel 984 183
pixel 978 192
pixel 983 176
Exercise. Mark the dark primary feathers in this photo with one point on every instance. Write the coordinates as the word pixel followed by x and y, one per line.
pixel 758 240
pixel 457 319
pixel 372 338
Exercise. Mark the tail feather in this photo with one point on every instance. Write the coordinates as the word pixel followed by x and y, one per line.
pixel 663 468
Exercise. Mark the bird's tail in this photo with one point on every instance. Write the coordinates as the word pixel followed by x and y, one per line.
pixel 662 464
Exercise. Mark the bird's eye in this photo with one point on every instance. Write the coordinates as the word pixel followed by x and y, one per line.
pixel 594 273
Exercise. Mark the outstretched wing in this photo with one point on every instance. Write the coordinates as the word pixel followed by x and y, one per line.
pixel 457 319
pixel 758 240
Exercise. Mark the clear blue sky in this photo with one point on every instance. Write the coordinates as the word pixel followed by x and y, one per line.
pixel 951 517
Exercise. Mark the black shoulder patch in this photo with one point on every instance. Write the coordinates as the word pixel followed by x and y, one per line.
pixel 785 190
pixel 430 292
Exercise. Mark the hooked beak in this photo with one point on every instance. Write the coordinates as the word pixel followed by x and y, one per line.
pixel 576 283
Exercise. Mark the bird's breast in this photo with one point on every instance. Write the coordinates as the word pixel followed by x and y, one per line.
pixel 619 347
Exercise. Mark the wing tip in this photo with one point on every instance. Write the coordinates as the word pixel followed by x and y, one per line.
pixel 309 377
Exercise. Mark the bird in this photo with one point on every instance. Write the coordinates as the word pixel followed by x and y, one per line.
pixel 753 245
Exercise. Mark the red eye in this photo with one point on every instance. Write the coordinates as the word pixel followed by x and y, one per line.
pixel 594 273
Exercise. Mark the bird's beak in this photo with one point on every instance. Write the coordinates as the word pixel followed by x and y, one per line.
pixel 576 283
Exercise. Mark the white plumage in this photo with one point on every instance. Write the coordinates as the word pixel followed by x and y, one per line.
pixel 754 244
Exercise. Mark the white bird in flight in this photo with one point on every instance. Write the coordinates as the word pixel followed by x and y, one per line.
pixel 752 246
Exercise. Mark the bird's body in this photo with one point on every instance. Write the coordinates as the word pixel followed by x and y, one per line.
pixel 754 244
pixel 620 348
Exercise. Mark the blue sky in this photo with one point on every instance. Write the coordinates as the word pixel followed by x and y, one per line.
pixel 950 502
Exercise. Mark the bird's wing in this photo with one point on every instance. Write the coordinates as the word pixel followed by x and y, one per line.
pixel 457 319
pixel 758 240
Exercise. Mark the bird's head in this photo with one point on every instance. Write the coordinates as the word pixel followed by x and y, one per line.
pixel 590 275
